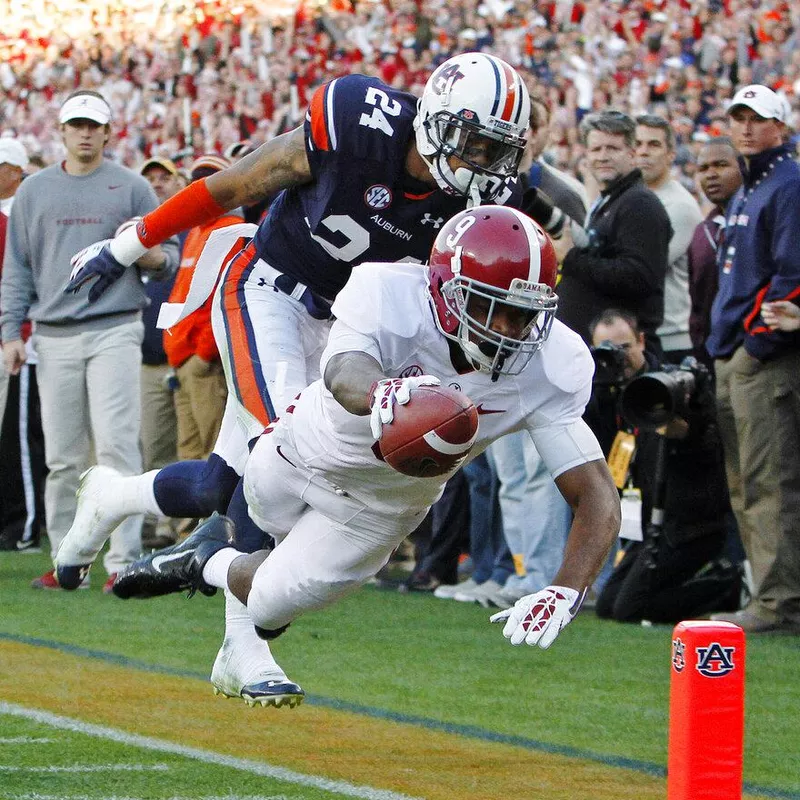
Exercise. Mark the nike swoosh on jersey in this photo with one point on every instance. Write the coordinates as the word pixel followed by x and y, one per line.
pixel 115 187
pixel 159 560
pixel 481 410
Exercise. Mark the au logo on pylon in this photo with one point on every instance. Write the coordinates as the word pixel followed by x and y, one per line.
pixel 715 661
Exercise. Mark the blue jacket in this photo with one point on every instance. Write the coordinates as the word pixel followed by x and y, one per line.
pixel 759 258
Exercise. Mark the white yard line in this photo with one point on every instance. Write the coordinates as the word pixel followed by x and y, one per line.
pixel 93 768
pixel 25 740
pixel 35 796
pixel 206 756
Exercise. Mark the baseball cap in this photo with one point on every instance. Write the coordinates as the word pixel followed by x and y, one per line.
pixel 762 100
pixel 238 149
pixel 85 106
pixel 207 165
pixel 12 152
pixel 164 163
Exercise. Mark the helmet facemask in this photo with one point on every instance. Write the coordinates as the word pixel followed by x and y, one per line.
pixel 490 157
pixel 489 351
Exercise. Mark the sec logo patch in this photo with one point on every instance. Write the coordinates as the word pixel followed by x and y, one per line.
pixel 378 197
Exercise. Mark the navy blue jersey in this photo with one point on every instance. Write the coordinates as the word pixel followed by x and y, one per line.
pixel 361 205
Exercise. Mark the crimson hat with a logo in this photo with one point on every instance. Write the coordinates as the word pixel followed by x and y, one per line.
pixel 762 100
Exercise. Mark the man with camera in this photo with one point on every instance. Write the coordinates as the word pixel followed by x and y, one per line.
pixel 674 572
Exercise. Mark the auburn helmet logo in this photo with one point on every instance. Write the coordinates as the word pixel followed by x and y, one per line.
pixel 449 72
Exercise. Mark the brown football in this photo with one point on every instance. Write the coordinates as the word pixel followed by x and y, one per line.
pixel 431 434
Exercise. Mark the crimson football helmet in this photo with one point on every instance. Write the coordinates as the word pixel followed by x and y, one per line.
pixel 484 259
pixel 476 107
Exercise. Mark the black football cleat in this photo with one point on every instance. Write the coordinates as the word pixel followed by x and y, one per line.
pixel 179 567
pixel 273 693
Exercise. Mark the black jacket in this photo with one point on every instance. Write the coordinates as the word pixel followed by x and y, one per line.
pixel 623 266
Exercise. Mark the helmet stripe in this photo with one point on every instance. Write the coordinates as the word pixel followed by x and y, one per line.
pixel 512 94
pixel 534 272
pixel 329 118
pixel 316 112
pixel 498 85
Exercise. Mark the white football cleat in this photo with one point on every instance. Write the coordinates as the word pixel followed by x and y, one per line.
pixel 93 524
pixel 267 687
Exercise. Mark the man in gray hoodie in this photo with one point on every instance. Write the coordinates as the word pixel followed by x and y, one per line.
pixel 89 352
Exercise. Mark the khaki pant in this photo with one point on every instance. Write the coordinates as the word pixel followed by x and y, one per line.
pixel 759 419
pixel 159 423
pixel 199 406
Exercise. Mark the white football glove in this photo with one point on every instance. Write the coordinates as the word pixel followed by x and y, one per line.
pixel 538 618
pixel 384 394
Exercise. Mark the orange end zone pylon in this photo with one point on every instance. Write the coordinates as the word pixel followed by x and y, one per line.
pixel 706 712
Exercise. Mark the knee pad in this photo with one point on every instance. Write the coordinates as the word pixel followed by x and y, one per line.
pixel 195 488
pixel 268 636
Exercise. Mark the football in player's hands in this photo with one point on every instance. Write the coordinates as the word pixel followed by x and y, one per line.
pixel 431 434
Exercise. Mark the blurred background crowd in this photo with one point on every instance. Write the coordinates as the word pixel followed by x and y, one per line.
pixel 189 77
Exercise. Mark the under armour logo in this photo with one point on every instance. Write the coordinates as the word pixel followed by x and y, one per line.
pixel 437 223
pixel 262 281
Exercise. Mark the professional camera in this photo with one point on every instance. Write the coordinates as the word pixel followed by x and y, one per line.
pixel 609 364
pixel 656 398
pixel 540 207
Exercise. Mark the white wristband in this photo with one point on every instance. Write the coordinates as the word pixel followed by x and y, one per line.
pixel 126 247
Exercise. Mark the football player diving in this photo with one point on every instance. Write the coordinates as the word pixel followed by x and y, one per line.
pixel 480 318
pixel 371 175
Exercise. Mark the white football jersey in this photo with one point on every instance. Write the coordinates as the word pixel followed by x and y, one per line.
pixel 384 311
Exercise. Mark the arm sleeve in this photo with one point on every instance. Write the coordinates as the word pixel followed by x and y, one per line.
pixel 633 263
pixel 686 217
pixel 784 284
pixel 338 125
pixel 18 290
pixel 556 426
pixel 563 447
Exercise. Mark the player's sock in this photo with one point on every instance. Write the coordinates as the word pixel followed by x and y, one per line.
pixel 243 658
pixel 215 572
pixel 134 494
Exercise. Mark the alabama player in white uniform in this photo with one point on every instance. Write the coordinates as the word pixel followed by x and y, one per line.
pixel 480 318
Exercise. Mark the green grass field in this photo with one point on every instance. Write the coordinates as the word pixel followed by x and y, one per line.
pixel 416 665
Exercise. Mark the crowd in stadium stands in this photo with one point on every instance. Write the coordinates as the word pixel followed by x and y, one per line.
pixel 198 77
pixel 190 78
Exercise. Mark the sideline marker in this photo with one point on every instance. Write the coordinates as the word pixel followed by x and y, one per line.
pixel 706 711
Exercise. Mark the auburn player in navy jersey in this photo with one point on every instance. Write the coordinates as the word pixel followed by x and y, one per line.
pixel 371 175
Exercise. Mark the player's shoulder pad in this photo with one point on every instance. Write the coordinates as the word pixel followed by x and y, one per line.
pixel 566 359
pixel 359 115
pixel 383 297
